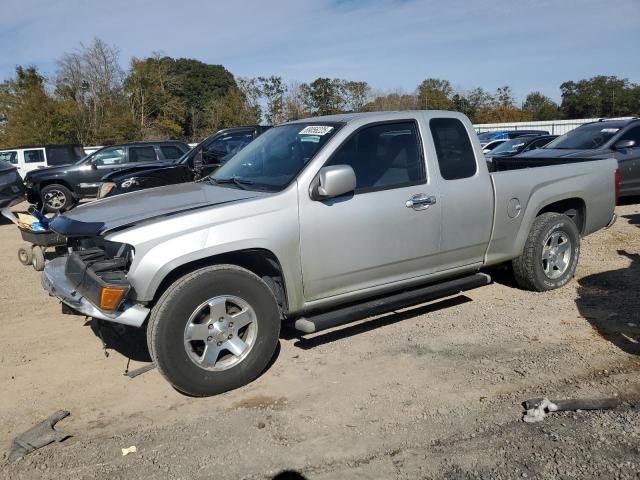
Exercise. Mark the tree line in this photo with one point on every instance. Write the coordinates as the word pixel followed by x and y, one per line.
pixel 91 100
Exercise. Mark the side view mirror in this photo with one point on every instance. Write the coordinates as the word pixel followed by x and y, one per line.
pixel 333 181
pixel 93 164
pixel 623 144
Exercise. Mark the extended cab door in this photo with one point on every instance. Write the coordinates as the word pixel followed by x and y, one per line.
pixel 387 230
pixel 466 194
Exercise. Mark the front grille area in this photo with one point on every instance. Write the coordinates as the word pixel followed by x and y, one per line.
pixel 92 269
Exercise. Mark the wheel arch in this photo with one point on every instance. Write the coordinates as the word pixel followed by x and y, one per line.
pixel 260 261
pixel 56 181
pixel 574 208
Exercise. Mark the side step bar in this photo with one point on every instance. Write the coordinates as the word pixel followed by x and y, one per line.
pixel 351 313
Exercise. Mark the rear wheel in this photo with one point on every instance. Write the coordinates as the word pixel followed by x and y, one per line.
pixel 550 254
pixel 214 330
pixel 56 198
pixel 25 254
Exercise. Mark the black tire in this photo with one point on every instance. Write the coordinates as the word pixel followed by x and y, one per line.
pixel 56 198
pixel 170 315
pixel 529 268
pixel 25 254
pixel 38 259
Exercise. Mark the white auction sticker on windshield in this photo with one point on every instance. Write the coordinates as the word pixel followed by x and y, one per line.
pixel 315 130
pixel 609 130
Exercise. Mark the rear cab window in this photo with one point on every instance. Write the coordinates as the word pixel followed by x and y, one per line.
pixel 456 158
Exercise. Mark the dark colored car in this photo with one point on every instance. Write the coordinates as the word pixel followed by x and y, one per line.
pixel 486 137
pixel 199 162
pixel 521 144
pixel 11 187
pixel 619 139
pixel 59 188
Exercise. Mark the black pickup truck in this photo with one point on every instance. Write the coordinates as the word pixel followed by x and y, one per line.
pixel 199 162
pixel 59 188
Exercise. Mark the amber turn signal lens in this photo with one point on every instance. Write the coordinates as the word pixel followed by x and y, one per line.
pixel 111 297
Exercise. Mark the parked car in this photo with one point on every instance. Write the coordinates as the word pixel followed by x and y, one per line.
pixel 491 145
pixel 319 222
pixel 519 145
pixel 486 137
pixel 619 139
pixel 11 186
pixel 198 162
pixel 59 188
pixel 26 159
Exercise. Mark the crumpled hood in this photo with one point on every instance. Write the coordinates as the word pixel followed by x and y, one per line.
pixel 112 212
pixel 562 153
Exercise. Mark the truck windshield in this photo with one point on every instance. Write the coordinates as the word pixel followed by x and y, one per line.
pixel 587 137
pixel 276 157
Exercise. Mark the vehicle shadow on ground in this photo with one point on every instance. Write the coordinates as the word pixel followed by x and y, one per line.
pixel 127 341
pixel 131 342
pixel 633 219
pixel 629 200
pixel 289 475
pixel 610 302
pixel 289 333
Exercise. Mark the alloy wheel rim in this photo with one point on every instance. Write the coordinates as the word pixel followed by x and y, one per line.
pixel 55 199
pixel 556 254
pixel 220 333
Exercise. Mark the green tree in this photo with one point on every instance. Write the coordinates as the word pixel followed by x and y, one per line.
pixel 435 94
pixel 294 102
pixel 151 87
pixel 273 91
pixel 541 107
pixel 250 88
pixel 599 96
pixel 396 101
pixel 30 115
pixel 231 110
pixel 198 84
pixel 323 96
pixel 356 94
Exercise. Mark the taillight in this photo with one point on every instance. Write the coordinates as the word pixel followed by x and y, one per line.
pixel 617 184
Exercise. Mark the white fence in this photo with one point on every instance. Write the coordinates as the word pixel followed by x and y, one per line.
pixel 554 127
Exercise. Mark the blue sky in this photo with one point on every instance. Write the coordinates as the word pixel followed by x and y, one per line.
pixel 392 44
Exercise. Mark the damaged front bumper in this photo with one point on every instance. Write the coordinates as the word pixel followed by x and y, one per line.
pixel 59 285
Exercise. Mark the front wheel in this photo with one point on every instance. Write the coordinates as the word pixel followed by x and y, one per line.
pixel 550 254
pixel 214 330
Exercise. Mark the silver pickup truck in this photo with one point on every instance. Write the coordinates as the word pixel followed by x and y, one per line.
pixel 320 222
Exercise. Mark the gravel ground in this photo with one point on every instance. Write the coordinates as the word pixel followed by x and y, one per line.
pixel 428 392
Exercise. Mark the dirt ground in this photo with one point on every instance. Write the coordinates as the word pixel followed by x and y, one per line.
pixel 429 392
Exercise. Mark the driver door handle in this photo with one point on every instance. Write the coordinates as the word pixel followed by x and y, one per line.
pixel 421 201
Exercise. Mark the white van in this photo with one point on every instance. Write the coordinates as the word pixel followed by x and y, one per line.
pixel 26 159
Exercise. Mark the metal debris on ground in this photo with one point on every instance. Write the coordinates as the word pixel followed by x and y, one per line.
pixel 538 408
pixel 139 371
pixel 37 437
pixel 537 414
pixel 127 451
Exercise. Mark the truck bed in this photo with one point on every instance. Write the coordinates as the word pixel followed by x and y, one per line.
pixel 524 192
